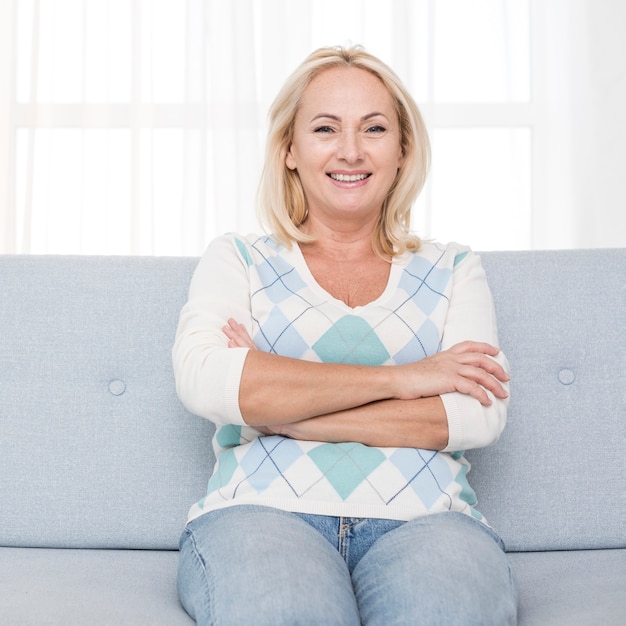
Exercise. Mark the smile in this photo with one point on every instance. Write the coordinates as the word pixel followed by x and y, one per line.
pixel 349 178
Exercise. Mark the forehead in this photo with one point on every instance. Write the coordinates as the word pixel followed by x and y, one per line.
pixel 348 88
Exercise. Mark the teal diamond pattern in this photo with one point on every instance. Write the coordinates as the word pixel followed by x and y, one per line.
pixel 243 251
pixel 351 340
pixel 467 493
pixel 228 436
pixel 225 469
pixel 346 465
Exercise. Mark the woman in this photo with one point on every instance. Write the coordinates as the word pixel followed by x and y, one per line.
pixel 347 366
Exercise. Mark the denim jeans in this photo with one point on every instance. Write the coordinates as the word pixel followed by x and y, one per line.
pixel 260 566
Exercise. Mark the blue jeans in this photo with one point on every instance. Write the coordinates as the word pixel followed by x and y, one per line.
pixel 263 566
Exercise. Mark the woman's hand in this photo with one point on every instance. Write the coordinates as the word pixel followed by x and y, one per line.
pixel 466 367
pixel 237 335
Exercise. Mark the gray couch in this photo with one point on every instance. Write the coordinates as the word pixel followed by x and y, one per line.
pixel 99 462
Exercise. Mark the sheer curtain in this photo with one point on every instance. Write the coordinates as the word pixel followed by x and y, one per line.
pixel 580 139
pixel 137 126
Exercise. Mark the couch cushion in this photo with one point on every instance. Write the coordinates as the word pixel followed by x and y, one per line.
pixel 571 588
pixel 134 587
pixel 67 587
pixel 555 480
pixel 95 448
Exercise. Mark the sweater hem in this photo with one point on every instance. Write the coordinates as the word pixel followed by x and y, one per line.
pixel 333 509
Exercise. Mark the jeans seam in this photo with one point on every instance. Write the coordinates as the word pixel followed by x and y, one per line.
pixel 209 586
pixel 343 539
pixel 346 524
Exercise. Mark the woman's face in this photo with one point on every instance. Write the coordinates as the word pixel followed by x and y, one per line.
pixel 346 144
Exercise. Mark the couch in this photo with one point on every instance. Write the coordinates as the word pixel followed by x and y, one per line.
pixel 99 462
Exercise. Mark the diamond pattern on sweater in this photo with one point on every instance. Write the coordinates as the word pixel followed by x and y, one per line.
pixel 425 471
pixel 351 340
pixel 279 336
pixel 269 460
pixel 424 283
pixel 228 436
pixel 425 342
pixel 346 465
pixel 294 318
pixel 280 280
pixel 224 470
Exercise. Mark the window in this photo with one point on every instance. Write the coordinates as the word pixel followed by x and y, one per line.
pixel 137 126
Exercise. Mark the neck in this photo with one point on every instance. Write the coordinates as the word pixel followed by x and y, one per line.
pixel 345 239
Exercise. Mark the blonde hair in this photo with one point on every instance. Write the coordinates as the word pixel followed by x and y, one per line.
pixel 282 204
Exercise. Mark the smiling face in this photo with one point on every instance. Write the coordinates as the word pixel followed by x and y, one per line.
pixel 346 144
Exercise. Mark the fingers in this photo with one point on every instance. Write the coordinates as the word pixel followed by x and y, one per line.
pixel 489 365
pixel 485 373
pixel 237 335
pixel 478 347
pixel 476 382
pixel 482 373
pixel 475 390
pixel 469 368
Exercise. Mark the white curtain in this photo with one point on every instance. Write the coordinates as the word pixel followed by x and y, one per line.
pixel 581 79
pixel 137 126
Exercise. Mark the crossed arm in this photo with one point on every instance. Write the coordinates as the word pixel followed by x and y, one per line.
pixel 395 406
pixel 452 400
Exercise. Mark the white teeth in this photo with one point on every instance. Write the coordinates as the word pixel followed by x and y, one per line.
pixel 349 178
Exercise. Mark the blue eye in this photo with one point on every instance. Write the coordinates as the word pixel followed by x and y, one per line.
pixel 376 129
pixel 323 129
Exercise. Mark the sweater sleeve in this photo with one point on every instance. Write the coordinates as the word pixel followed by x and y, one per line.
pixel 207 372
pixel 471 316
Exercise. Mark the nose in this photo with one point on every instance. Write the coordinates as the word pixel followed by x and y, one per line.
pixel 349 147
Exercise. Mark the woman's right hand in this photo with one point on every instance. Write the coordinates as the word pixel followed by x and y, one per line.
pixel 466 367
pixel 237 335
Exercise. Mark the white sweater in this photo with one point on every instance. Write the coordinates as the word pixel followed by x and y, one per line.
pixel 434 299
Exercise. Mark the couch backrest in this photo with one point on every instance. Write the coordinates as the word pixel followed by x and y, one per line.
pixel 557 477
pixel 97 451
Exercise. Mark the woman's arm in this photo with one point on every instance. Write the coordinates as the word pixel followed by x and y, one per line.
pixel 206 370
pixel 470 412
pixel 279 390
pixel 242 386
pixel 471 313
pixel 418 423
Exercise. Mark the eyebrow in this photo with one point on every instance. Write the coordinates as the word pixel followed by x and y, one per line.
pixel 338 119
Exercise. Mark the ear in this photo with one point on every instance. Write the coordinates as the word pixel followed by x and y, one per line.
pixel 290 161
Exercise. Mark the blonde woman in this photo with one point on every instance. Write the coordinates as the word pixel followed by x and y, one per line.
pixel 347 365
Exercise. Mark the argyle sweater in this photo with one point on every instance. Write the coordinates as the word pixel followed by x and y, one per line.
pixel 435 298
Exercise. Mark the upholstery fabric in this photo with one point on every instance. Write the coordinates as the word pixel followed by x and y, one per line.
pixel 555 480
pixel 571 587
pixel 67 587
pixel 96 450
